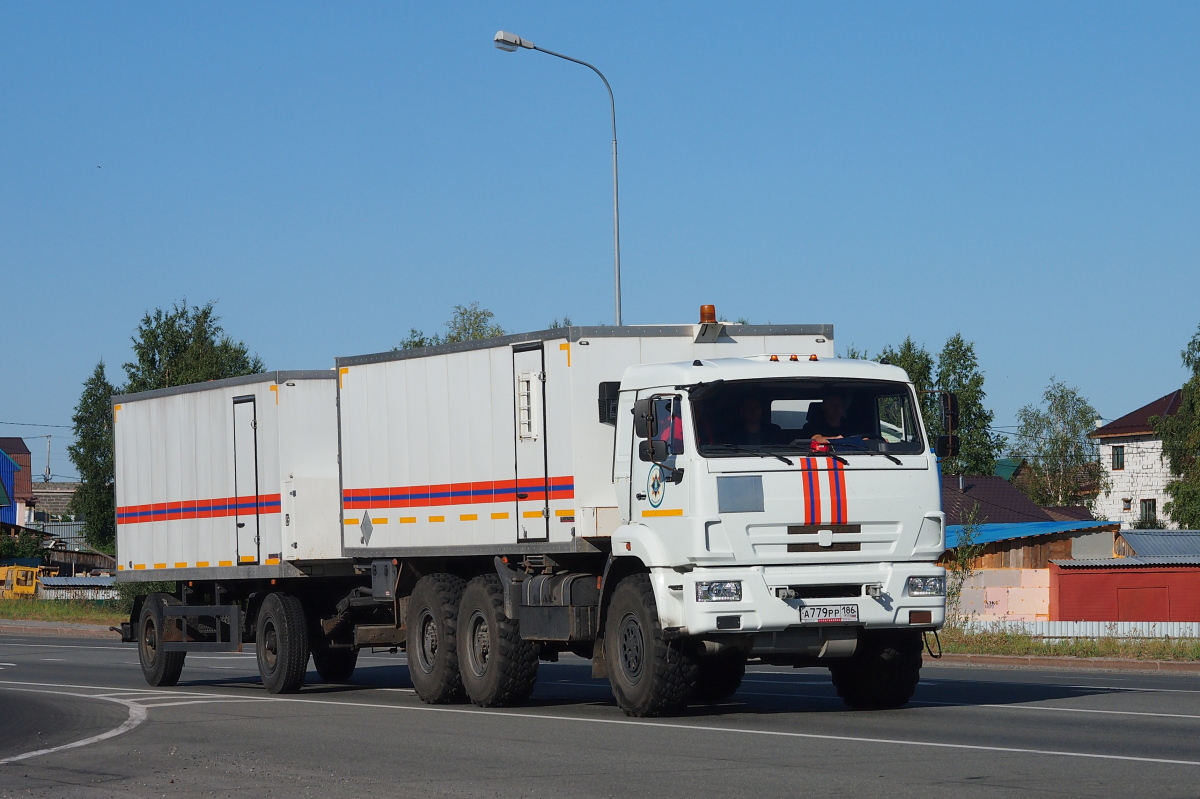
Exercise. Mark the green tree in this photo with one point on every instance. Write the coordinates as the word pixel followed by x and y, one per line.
pixel 469 323
pixel 92 454
pixel 185 345
pixel 25 545
pixel 1063 462
pixel 170 348
pixel 558 323
pixel 1180 435
pixel 958 371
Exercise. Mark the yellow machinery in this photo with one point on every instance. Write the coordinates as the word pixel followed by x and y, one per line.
pixel 20 582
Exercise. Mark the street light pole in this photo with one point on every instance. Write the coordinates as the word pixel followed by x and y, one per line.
pixel 509 42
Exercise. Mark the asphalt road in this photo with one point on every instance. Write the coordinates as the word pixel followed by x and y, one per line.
pixel 969 732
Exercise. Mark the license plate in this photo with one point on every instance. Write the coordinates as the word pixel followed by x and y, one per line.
pixel 827 614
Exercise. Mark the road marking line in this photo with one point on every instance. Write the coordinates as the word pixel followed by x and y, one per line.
pixel 1052 709
pixel 219 698
pixel 137 714
pixel 8 664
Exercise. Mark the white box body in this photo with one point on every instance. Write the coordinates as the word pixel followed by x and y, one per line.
pixel 231 473
pixel 452 450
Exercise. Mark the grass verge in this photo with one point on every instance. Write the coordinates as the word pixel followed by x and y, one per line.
pixel 999 641
pixel 72 611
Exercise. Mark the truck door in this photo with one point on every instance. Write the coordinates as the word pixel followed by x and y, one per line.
pixel 245 479
pixel 658 501
pixel 532 486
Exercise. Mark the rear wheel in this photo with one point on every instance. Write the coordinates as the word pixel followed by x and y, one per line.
pixel 334 665
pixel 431 643
pixel 161 669
pixel 884 671
pixel 649 675
pixel 720 675
pixel 281 637
pixel 497 667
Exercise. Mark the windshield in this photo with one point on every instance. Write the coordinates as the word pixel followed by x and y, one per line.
pixel 855 416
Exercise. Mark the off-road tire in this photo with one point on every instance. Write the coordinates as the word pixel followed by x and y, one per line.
pixel 281 642
pixel 161 669
pixel 334 665
pixel 431 642
pixel 497 667
pixel 720 675
pixel 649 675
pixel 884 671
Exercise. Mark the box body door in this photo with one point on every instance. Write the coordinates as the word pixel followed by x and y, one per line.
pixel 245 479
pixel 532 488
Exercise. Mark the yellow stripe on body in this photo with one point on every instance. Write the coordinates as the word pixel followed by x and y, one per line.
pixel 468 517
pixel 532 514
pixel 246 559
pixel 180 565
pixel 564 512
pixel 202 564
pixel 408 519
pixel 160 565
pixel 381 520
pixel 499 515
pixel 225 563
pixel 664 512
pixel 437 518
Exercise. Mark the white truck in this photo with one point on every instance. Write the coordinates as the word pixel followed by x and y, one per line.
pixel 670 502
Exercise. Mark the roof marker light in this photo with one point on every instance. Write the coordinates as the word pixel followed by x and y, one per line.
pixel 812 357
pixel 708 314
pixel 774 358
pixel 794 358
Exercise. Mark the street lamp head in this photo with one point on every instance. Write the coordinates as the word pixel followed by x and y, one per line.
pixel 509 42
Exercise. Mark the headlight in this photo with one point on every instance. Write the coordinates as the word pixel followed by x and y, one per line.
pixel 719 591
pixel 926 586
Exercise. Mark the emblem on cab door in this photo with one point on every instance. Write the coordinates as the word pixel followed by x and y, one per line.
pixel 656 486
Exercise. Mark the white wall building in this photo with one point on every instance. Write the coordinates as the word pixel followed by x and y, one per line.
pixel 1131 455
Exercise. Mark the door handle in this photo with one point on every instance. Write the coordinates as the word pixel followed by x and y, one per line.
pixel 640 495
pixel 241 525
pixel 522 496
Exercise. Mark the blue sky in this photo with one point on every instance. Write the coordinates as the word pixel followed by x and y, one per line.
pixel 1025 173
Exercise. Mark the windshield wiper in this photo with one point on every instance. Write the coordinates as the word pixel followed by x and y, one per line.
pixel 861 448
pixel 758 452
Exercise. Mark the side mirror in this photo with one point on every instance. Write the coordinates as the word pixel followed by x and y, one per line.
pixel 644 425
pixel 950 412
pixel 947 446
pixel 653 450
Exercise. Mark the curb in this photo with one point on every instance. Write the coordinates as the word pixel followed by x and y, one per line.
pixel 23 627
pixel 1037 662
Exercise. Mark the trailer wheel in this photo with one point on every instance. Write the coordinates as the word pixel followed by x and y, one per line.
pixel 334 665
pixel 281 641
pixel 161 669
pixel 884 671
pixel 498 668
pixel 430 645
pixel 720 675
pixel 649 674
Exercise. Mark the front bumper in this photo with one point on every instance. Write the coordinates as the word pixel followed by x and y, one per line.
pixel 762 610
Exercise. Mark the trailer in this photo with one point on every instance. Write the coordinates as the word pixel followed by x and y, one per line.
pixel 670 502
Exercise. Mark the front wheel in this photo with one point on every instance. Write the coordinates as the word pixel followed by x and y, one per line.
pixel 884 671
pixel 649 675
pixel 161 669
